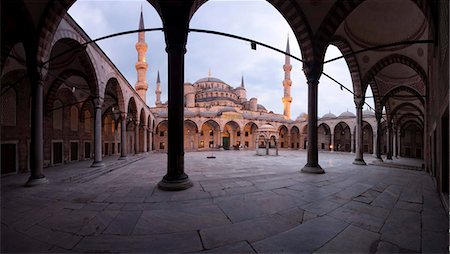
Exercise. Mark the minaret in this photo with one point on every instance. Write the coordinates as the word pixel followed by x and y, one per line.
pixel 287 99
pixel 158 90
pixel 242 81
pixel 141 65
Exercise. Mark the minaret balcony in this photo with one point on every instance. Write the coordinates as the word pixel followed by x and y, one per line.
pixel 141 65
pixel 286 99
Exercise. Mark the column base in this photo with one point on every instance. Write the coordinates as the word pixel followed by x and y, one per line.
pixel 33 181
pixel 97 164
pixel 378 159
pixel 359 162
pixel 389 158
pixel 175 184
pixel 312 169
pixel 122 158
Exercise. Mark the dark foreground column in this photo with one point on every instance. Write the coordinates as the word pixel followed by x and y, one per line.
pixel 97 134
pixel 379 131
pixel 312 165
pixel 37 132
pixel 176 36
pixel 359 160
pixel 123 136
pixel 136 137
pixel 389 142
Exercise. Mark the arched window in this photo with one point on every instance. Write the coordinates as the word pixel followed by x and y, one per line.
pixel 8 110
pixel 74 118
pixel 87 121
pixel 57 115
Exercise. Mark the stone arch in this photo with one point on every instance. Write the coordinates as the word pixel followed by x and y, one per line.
pixel 398 89
pixel 352 64
pixel 411 140
pixel 342 137
pixel 324 136
pixel 410 115
pixel 283 136
pixel 160 137
pixel 231 135
pixel 391 59
pixel 190 135
pixel 295 137
pixel 304 136
pixel 86 60
pixel 114 90
pixel 367 137
pixel 407 104
pixel 249 135
pixel 210 135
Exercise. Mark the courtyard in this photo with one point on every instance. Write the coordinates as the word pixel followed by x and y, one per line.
pixel 240 203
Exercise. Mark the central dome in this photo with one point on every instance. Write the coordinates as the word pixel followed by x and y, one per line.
pixel 209 79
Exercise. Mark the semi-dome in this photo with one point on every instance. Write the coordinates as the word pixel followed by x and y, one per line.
pixel 226 109
pixel 347 114
pixel 209 79
pixel 368 113
pixel 261 107
pixel 329 115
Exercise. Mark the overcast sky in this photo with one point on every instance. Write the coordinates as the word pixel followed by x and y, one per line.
pixel 228 59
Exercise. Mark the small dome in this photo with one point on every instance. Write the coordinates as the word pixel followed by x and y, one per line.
pixel 347 114
pixel 329 115
pixel 189 113
pixel 239 88
pixel 209 79
pixel 208 114
pixel 368 113
pixel 267 127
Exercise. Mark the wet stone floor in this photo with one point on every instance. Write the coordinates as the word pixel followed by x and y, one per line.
pixel 240 203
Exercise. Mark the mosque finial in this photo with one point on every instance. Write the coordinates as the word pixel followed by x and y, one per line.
pixel 209 72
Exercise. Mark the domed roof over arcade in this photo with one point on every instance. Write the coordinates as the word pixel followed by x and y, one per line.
pixel 209 79
pixel 347 114
pixel 328 115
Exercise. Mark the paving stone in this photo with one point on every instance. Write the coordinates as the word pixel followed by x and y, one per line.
pixel 321 207
pixel 15 242
pixel 70 222
pixel 412 194
pixel 402 229
pixel 361 215
pixel 163 243
pixel 351 240
pixel 304 238
pixel 180 220
pixel 415 207
pixel 123 223
pixel 250 230
pixel 435 242
pixel 99 223
pixel 239 247
pixel 388 197
pixel 94 206
pixel 387 247
pixel 54 237
pixel 293 215
pixel 367 197
pixel 353 191
pixel 435 221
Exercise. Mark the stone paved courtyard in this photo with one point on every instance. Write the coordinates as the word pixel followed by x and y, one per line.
pixel 240 203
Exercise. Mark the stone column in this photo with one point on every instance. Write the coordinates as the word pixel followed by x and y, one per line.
pixel 352 143
pixel 175 30
pixel 359 160
pixel 312 164
pixel 379 132
pixel 399 144
pixel 267 146
pixel 220 141
pixel 123 136
pixel 289 144
pixel 276 146
pixel 145 138
pixel 97 134
pixel 37 176
pixel 136 137
pixel 394 142
pixel 389 142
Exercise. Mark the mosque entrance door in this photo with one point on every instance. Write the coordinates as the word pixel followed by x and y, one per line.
pixel 226 143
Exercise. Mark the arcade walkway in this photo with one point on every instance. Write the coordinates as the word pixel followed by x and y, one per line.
pixel 239 203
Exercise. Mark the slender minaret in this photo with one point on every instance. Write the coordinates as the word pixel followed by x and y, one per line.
pixel 287 99
pixel 141 65
pixel 158 90
pixel 242 81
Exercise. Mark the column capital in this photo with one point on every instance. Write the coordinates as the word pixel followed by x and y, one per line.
pixel 359 102
pixel 123 115
pixel 97 101
pixel 378 115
